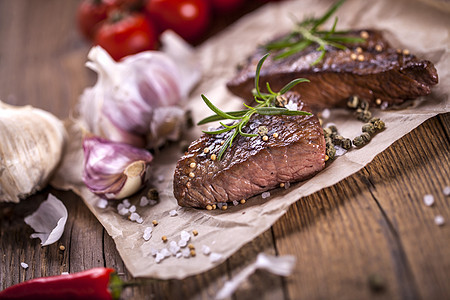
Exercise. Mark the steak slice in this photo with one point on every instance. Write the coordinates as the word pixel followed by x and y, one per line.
pixel 376 72
pixel 251 165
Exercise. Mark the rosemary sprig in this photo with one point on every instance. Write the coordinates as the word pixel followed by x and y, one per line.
pixel 307 33
pixel 266 106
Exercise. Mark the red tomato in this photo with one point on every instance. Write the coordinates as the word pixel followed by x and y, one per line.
pixel 90 13
pixel 188 18
pixel 225 6
pixel 126 34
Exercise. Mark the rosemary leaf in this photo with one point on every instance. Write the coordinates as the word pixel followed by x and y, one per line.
pixel 272 111
pixel 291 84
pixel 214 118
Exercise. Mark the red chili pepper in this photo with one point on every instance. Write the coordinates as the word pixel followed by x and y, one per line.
pixel 97 283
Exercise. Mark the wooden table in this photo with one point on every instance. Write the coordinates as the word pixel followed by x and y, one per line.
pixel 367 237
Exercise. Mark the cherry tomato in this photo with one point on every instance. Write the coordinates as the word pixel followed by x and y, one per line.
pixel 225 6
pixel 188 18
pixel 125 34
pixel 90 13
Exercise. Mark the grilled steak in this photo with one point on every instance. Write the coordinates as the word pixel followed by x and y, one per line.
pixel 376 72
pixel 251 165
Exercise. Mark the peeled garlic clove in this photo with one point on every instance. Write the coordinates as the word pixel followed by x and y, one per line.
pixel 32 142
pixel 114 170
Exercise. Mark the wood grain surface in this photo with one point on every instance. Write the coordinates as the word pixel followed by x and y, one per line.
pixel 368 237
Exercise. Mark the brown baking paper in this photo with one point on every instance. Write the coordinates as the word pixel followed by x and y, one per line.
pixel 413 25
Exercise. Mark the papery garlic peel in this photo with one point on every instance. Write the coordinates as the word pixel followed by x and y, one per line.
pixel 32 143
pixel 114 170
pixel 135 100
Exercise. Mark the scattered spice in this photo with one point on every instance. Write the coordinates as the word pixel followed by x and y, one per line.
pixel 376 283
pixel 154 222
pixel 208 207
pixel 213 157
pixel 192 165
pixel 378 101
pixel 359 50
pixel 62 248
pixel 206 150
pixel 262 130
pixel 224 207
pixel 364 34
pixel 191 246
pixel 353 56
pixel 242 201
pixel 275 134
pixel 153 194
pixel 265 138
pixel 164 238
pixel 378 48
pixel 282 185
pixel 192 252
pixel 195 232
pixel 191 174
pixel 405 52
pixel 361 57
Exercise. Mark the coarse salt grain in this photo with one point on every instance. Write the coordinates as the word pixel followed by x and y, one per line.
pixel 206 250
pixel 24 265
pixel 235 202
pixel 186 252
pixel 152 202
pixel 179 254
pixel 123 211
pixel 144 201
pixel 447 191
pixel 120 206
pixel 132 208
pixel 339 151
pixel 326 113
pixel 65 273
pixel 186 236
pixel 173 213
pixel 134 216
pixel 126 203
pixel 265 195
pixel 102 203
pixel 182 243
pixel 159 257
pixel 160 178
pixel 287 185
pixel 439 220
pixel 174 248
pixel 153 251
pixel 215 257
pixel 147 233
pixel 428 200
pixel 140 220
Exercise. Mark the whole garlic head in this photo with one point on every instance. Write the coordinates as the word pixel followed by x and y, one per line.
pixel 125 105
pixel 32 143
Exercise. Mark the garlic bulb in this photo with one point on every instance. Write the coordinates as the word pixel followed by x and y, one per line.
pixel 114 170
pixel 133 98
pixel 32 142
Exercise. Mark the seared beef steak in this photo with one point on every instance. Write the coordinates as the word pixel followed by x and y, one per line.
pixel 251 165
pixel 376 72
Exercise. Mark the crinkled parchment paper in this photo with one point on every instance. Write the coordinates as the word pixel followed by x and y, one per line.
pixel 413 25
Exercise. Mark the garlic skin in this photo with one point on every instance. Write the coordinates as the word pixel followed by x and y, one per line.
pixel 32 143
pixel 133 97
pixel 114 170
pixel 48 220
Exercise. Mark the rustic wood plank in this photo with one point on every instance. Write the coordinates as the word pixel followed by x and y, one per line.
pixel 413 167
pixel 367 225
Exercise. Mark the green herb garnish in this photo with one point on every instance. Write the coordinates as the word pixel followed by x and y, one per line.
pixel 307 33
pixel 266 106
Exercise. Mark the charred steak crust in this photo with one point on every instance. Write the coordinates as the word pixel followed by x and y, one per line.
pixel 251 166
pixel 376 72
